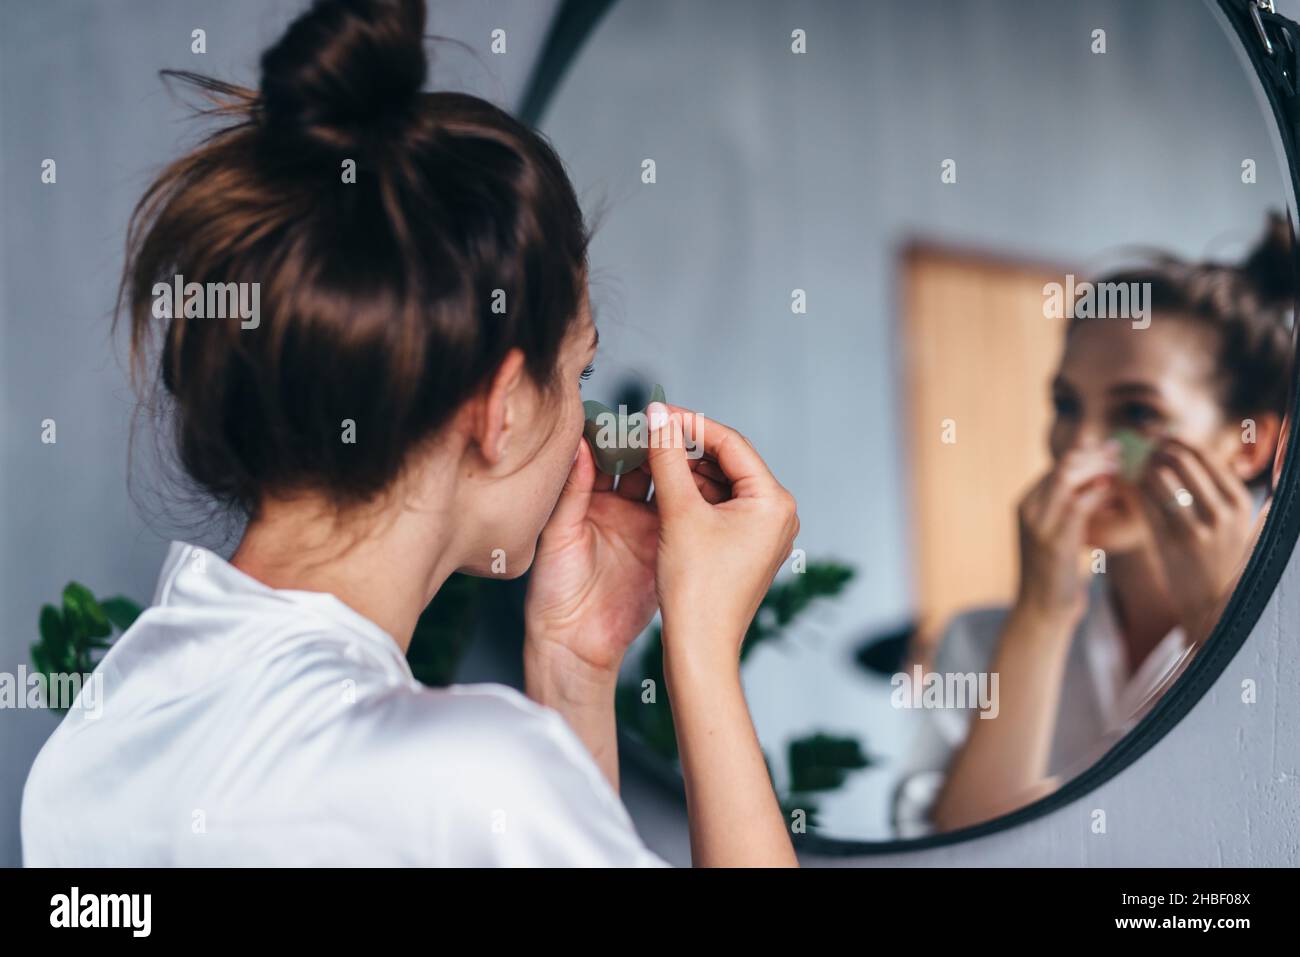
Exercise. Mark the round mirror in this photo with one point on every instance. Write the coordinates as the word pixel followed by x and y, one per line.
pixel 1002 292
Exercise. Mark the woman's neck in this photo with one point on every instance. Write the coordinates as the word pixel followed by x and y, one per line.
pixel 385 565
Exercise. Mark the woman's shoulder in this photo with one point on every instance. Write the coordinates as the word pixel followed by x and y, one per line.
pixel 491 728
pixel 488 738
pixel 485 716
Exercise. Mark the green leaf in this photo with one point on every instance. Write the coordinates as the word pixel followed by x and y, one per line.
pixel 54 636
pixel 785 600
pixel 57 650
pixel 121 611
pixel 86 615
pixel 821 762
pixel 444 630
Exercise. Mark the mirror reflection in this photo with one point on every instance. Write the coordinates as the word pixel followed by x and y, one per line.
pixel 1026 387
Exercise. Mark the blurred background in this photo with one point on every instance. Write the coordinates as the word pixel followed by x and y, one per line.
pixel 819 174
pixel 774 173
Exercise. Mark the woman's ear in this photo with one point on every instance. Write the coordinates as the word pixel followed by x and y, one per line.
pixel 1256 444
pixel 497 412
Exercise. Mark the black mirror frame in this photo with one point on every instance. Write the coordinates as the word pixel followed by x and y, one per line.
pixel 1272 44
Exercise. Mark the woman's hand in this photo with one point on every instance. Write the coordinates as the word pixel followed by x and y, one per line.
pixel 591 590
pixel 590 593
pixel 717 555
pixel 1201 515
pixel 1053 517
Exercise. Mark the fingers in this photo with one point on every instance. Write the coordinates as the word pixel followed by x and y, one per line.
pixel 1184 491
pixel 674 482
pixel 713 485
pixel 575 497
pixel 1059 494
pixel 1229 487
pixel 1086 501
pixel 709 469
pixel 702 467
pixel 713 492
pixel 710 478
pixel 1171 477
pixel 738 461
pixel 1167 519
pixel 634 485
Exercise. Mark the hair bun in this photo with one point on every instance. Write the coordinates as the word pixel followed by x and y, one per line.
pixel 1269 268
pixel 346 71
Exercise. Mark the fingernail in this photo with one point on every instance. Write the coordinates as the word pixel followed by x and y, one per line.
pixel 658 413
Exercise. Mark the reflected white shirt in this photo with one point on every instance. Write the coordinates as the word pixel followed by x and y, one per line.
pixel 246 725
pixel 1100 699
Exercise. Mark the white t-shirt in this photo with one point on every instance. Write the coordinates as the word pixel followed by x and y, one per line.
pixel 247 725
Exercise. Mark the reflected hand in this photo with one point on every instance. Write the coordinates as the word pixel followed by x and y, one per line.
pixel 1201 515
pixel 1053 516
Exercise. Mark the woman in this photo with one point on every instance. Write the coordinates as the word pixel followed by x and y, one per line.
pixel 1164 527
pixel 406 406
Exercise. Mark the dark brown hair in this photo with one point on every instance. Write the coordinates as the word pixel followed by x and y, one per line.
pixel 376 296
pixel 1249 304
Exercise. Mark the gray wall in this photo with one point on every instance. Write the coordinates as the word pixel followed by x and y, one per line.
pixel 77 83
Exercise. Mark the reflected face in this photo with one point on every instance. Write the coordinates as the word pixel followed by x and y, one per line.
pixel 1156 381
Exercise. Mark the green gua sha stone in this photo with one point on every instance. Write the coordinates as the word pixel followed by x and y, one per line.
pixel 619 443
pixel 1134 450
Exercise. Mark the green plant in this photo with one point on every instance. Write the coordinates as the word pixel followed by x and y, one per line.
pixel 444 631
pixel 817 762
pixel 74 635
pixel 822 762
pixel 785 601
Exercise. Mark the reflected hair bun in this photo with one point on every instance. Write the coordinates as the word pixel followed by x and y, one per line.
pixel 1250 304
pixel 347 74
